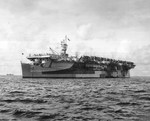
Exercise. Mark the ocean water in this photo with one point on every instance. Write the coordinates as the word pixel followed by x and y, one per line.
pixel 122 99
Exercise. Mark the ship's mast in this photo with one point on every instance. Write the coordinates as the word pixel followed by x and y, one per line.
pixel 64 46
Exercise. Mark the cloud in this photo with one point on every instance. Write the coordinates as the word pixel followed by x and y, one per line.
pixel 19 6
pixel 85 31
pixel 142 56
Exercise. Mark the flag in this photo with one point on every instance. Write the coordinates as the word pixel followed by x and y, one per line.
pixel 66 38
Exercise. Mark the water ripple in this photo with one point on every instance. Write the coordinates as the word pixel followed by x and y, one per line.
pixel 74 99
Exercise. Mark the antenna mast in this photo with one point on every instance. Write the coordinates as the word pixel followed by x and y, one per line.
pixel 64 46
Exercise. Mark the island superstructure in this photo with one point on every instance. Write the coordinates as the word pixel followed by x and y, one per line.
pixel 54 65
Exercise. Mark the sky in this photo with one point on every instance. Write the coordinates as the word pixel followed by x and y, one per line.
pixel 116 29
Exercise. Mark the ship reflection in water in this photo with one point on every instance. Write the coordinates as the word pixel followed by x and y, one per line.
pixel 116 99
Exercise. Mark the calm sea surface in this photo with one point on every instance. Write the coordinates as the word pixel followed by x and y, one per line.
pixel 74 99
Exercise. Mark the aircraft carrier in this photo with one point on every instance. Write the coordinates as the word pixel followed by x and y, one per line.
pixel 54 65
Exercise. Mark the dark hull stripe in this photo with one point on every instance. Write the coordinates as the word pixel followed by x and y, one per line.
pixel 70 71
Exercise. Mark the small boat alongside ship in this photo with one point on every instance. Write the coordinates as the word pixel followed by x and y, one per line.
pixel 54 65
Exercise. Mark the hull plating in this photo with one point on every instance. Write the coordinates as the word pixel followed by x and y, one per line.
pixel 30 71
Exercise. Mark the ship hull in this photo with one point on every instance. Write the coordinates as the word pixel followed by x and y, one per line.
pixel 67 71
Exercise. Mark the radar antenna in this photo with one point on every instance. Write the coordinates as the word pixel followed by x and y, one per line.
pixel 64 46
